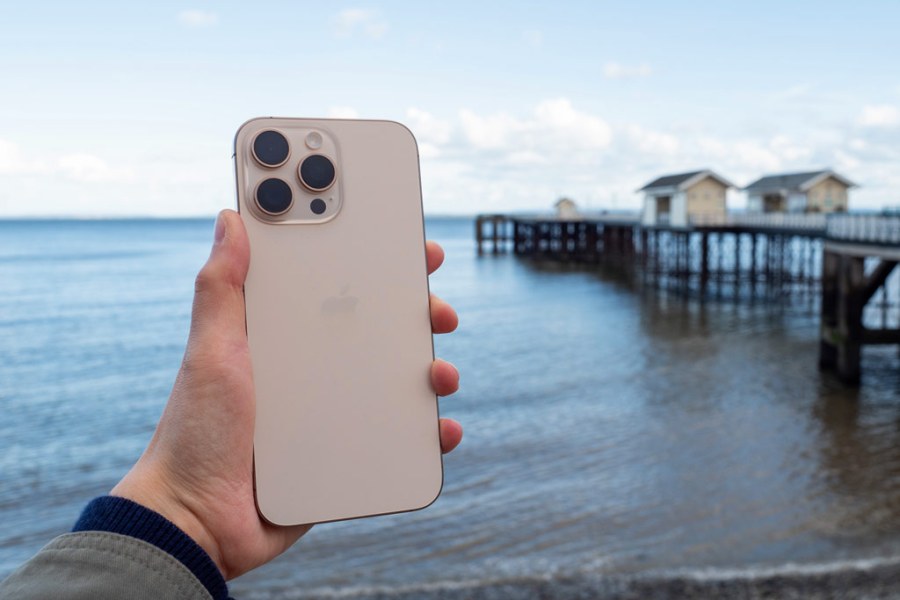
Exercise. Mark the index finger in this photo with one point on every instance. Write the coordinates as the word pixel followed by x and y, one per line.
pixel 434 256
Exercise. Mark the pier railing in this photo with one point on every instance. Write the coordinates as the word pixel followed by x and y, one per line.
pixel 880 230
pixel 774 221
pixel 866 229
pixel 613 218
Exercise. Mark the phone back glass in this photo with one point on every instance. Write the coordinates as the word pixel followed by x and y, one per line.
pixel 339 331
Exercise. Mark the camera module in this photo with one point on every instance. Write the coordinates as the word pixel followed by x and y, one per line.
pixel 317 172
pixel 271 148
pixel 274 196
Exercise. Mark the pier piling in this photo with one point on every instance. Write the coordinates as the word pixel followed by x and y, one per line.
pixel 776 255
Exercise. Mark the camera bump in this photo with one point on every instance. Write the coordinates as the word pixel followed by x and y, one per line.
pixel 291 172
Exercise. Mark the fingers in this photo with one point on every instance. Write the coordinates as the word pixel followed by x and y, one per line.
pixel 443 317
pixel 218 291
pixel 445 380
pixel 451 435
pixel 434 256
pixel 444 377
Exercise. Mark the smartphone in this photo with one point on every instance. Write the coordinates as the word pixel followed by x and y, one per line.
pixel 338 321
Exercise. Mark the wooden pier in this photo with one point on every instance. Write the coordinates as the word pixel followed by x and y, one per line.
pixel 845 263
pixel 859 256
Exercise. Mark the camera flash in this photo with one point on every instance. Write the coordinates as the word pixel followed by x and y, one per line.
pixel 314 140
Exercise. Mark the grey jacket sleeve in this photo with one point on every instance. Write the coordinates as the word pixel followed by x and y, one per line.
pixel 97 565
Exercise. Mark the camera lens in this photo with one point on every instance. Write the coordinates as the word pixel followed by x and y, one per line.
pixel 274 196
pixel 317 172
pixel 317 206
pixel 271 148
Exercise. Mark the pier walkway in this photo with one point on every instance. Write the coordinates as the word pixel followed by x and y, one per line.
pixel 847 261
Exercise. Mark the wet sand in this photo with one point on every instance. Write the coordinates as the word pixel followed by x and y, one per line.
pixel 860 583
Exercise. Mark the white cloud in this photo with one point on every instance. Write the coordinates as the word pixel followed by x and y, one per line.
pixel 652 142
pixel 13 162
pixel 431 133
pixel 533 38
pixel 352 21
pixel 881 115
pixel 343 112
pixel 427 150
pixel 77 183
pixel 785 147
pixel 614 70
pixel 846 162
pixel 484 161
pixel 555 125
pixel 488 132
pixel 736 159
pixel 560 119
pixel 427 127
pixel 87 168
pixel 80 167
pixel 528 157
pixel 518 159
pixel 751 156
pixel 197 18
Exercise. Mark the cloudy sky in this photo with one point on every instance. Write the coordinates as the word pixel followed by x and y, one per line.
pixel 123 108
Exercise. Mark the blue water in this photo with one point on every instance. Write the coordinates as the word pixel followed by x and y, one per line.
pixel 609 428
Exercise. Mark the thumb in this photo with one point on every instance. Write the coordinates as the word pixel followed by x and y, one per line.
pixel 219 288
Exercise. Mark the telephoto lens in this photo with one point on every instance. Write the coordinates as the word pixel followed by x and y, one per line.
pixel 274 196
pixel 317 172
pixel 271 148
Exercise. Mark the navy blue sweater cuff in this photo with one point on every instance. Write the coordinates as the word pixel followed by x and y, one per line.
pixel 122 516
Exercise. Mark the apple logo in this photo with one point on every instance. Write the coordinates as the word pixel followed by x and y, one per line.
pixel 342 304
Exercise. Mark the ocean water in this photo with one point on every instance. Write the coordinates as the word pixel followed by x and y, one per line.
pixel 610 429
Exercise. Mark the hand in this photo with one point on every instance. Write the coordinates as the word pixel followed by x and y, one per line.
pixel 197 470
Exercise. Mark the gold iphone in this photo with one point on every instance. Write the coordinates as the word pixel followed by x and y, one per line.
pixel 338 319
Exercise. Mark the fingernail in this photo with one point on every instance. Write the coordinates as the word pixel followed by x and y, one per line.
pixel 220 229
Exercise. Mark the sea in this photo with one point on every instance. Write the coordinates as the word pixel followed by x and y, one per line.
pixel 613 431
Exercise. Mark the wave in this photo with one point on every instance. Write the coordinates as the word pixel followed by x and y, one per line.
pixel 863 579
pixel 784 570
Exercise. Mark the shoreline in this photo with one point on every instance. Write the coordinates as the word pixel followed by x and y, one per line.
pixel 879 580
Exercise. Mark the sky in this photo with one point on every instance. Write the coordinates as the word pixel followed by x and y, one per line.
pixel 130 109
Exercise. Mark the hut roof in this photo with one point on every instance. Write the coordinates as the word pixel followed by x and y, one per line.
pixel 682 181
pixel 794 181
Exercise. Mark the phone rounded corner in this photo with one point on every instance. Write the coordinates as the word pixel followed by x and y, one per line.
pixel 406 130
pixel 265 515
pixel 433 496
pixel 269 517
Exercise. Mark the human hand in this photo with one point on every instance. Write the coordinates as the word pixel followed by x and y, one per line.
pixel 197 470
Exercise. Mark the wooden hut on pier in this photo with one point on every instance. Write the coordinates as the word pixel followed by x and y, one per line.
pixel 812 192
pixel 566 209
pixel 673 200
